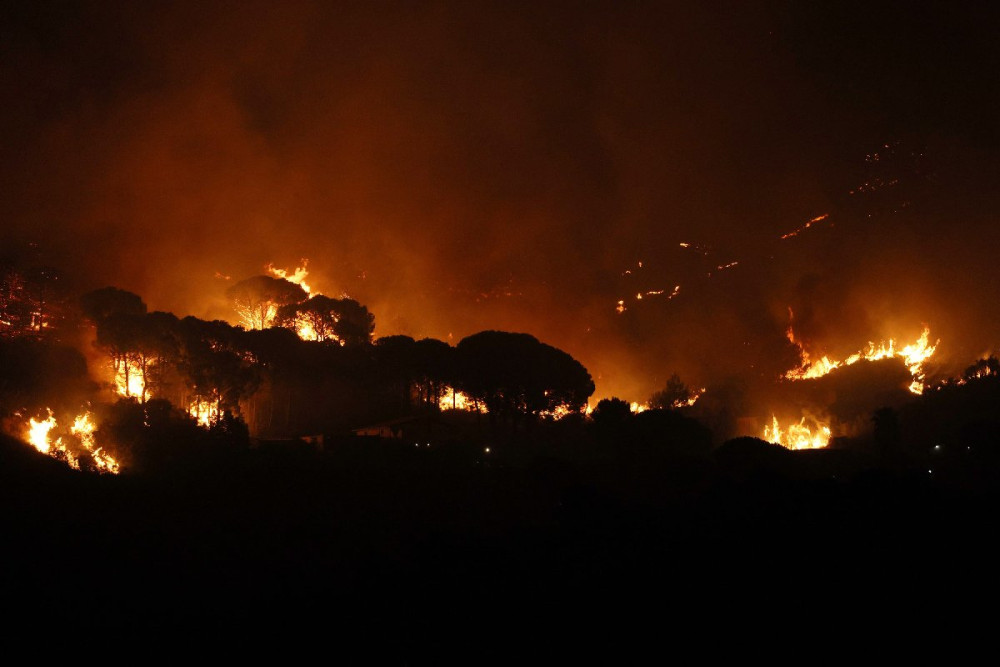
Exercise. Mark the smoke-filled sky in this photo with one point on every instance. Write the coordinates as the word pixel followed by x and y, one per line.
pixel 459 166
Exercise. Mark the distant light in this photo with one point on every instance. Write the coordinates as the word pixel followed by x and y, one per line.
pixel 487 450
pixel 937 447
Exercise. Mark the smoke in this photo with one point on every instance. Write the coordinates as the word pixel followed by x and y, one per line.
pixel 479 165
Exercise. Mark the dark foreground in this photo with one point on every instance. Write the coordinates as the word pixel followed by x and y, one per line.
pixel 421 553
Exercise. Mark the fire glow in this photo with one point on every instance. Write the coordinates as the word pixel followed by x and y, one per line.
pixel 798 436
pixel 453 399
pixel 39 436
pixel 913 356
pixel 298 276
pixel 129 382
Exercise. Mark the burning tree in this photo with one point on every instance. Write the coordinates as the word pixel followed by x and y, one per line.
pixel 217 370
pixel 325 319
pixel 257 299
pixel 675 395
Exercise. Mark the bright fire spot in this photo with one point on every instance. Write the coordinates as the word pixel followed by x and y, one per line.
pixel 83 428
pixel 913 355
pixel 798 436
pixel 298 276
pixel 452 399
pixel 40 437
pixel 620 307
pixel 638 407
pixel 206 412
pixel 128 380
pixel 38 433
pixel 306 331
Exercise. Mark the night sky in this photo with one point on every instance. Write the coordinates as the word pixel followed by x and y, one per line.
pixel 460 166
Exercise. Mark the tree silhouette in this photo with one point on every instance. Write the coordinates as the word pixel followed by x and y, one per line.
pixel 675 395
pixel 515 375
pixel 886 427
pixel 103 303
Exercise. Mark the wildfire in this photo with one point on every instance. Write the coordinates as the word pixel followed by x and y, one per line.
pixel 39 435
pixel 452 399
pixel 129 382
pixel 204 411
pixel 806 226
pixel 913 355
pixel 798 436
pixel 298 276
pixel 83 428
pixel 691 400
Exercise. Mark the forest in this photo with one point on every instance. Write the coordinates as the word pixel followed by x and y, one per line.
pixel 273 480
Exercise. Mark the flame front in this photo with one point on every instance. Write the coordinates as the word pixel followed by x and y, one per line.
pixel 298 276
pixel 39 435
pixel 913 355
pixel 798 436
pixel 83 428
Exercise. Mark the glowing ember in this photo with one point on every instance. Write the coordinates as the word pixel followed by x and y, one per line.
pixel 798 436
pixel 806 226
pixel 913 355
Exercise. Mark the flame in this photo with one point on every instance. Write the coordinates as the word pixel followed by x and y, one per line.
pixel 83 428
pixel 298 276
pixel 691 400
pixel 128 379
pixel 40 437
pixel 206 412
pixel 638 407
pixel 561 411
pixel 798 436
pixel 913 356
pixel 38 433
pixel 452 399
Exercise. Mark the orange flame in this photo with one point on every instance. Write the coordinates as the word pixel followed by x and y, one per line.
pixel 798 436
pixel 298 276
pixel 913 356
pixel 39 435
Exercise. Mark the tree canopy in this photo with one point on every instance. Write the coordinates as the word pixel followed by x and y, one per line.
pixel 258 298
pixel 514 374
